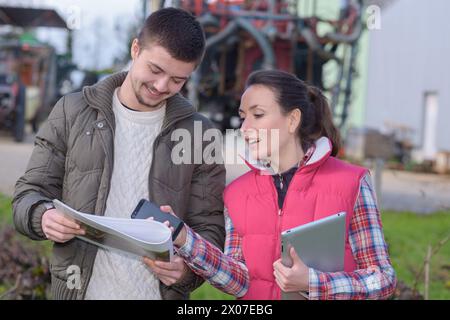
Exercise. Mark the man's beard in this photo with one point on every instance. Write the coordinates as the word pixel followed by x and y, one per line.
pixel 142 102
pixel 141 99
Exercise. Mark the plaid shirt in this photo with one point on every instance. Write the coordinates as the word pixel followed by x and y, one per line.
pixel 374 277
pixel 226 271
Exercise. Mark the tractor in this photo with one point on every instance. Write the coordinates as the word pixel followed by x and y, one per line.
pixel 30 71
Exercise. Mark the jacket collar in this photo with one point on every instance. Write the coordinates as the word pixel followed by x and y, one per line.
pixel 99 96
pixel 321 153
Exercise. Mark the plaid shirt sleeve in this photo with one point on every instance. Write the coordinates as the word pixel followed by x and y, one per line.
pixel 374 277
pixel 225 271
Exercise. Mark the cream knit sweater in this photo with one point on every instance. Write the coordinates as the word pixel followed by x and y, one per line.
pixel 116 275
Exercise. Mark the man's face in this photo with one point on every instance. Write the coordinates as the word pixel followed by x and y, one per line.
pixel 156 75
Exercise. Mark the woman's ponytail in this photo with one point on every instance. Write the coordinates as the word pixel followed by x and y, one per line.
pixel 324 125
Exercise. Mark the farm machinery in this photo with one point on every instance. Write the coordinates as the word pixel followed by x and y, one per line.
pixel 243 36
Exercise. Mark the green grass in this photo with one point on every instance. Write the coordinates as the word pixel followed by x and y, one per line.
pixel 5 210
pixel 6 218
pixel 407 234
pixel 208 292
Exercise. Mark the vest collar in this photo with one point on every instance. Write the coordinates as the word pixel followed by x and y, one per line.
pixel 321 153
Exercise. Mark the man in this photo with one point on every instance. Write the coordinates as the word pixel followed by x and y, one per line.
pixel 105 148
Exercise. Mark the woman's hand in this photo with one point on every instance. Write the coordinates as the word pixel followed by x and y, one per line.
pixel 181 238
pixel 295 278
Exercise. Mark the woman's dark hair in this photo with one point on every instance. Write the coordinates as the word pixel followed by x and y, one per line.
pixel 177 31
pixel 292 93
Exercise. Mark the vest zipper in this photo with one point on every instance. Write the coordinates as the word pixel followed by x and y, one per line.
pixel 280 211
pixel 277 232
pixel 281 181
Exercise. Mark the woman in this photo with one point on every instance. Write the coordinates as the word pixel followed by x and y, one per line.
pixel 288 127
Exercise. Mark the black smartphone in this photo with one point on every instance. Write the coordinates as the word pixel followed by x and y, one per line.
pixel 145 209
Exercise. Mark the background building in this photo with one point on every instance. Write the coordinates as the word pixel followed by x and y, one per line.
pixel 408 76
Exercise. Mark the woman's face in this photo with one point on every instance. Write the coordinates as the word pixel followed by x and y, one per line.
pixel 265 128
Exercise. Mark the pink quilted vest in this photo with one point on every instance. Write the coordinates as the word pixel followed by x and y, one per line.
pixel 322 187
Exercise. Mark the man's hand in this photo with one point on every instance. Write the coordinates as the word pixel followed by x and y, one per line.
pixel 59 228
pixel 295 278
pixel 168 272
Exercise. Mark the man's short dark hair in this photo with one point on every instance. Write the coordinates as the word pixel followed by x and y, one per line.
pixel 177 31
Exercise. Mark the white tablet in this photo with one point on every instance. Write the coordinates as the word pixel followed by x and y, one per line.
pixel 320 244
